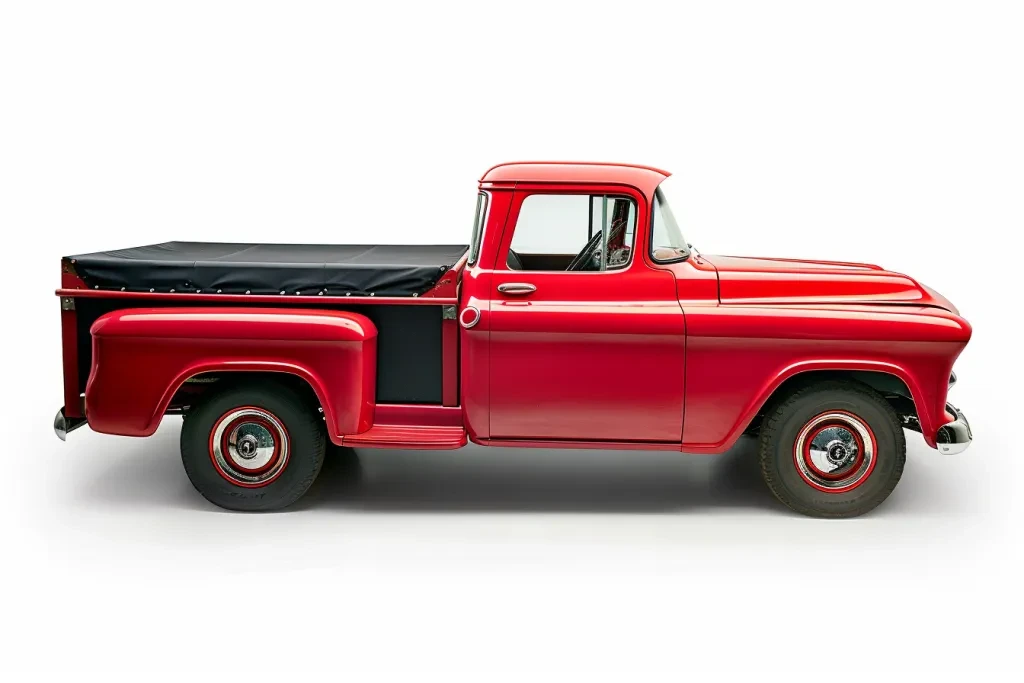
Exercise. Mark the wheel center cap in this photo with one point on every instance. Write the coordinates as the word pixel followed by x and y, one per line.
pixel 247 446
pixel 838 453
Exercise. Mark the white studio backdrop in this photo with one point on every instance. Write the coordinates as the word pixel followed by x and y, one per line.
pixel 886 132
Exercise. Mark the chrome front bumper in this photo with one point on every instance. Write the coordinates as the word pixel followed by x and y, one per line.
pixel 954 437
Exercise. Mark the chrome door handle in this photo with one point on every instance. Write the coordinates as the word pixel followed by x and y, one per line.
pixel 516 288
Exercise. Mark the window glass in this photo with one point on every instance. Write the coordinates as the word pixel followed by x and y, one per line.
pixel 478 227
pixel 667 243
pixel 552 224
pixel 567 232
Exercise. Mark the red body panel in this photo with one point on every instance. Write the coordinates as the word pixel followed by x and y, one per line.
pixel 142 356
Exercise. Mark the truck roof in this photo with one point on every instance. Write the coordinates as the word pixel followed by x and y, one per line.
pixel 644 178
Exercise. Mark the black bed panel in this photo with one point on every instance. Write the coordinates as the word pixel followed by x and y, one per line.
pixel 408 353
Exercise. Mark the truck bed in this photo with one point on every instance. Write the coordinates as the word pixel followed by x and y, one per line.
pixel 378 270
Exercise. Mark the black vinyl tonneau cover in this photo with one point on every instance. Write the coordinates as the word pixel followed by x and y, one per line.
pixel 334 269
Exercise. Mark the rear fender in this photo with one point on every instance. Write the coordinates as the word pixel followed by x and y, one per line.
pixel 142 356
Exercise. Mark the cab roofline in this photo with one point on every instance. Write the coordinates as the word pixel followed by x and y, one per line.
pixel 645 178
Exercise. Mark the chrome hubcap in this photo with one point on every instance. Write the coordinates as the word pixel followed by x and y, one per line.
pixel 249 447
pixel 835 452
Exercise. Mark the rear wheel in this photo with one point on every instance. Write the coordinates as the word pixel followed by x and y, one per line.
pixel 835 449
pixel 253 447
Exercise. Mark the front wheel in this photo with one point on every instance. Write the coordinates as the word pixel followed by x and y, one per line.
pixel 834 449
pixel 253 448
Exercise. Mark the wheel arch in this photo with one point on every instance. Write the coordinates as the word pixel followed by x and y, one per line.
pixel 216 378
pixel 894 383
pixel 889 385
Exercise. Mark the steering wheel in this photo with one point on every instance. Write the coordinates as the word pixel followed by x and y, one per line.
pixel 588 255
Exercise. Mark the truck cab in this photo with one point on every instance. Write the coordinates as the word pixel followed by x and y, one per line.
pixel 578 316
pixel 576 308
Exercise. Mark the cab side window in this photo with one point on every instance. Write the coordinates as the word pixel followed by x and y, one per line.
pixel 573 232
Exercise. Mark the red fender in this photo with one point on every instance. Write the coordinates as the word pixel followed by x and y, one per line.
pixel 738 356
pixel 925 402
pixel 142 356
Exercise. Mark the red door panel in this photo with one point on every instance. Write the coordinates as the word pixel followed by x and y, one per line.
pixel 596 370
pixel 587 356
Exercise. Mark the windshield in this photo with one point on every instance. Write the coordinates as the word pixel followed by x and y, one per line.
pixel 667 243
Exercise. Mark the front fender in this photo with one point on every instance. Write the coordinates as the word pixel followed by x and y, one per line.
pixel 738 356
pixel 141 357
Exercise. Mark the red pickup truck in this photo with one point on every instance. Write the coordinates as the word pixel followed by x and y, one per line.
pixel 577 317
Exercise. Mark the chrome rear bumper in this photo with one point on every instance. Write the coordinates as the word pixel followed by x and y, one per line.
pixel 63 425
pixel 954 437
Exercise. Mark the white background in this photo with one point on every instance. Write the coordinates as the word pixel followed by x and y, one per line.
pixel 889 132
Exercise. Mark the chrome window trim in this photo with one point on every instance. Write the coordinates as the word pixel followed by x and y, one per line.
pixel 477 238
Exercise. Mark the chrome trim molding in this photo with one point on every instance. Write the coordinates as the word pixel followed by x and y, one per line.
pixel 954 437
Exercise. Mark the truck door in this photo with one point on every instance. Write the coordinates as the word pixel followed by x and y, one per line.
pixel 586 336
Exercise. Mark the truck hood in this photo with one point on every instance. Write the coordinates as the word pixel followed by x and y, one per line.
pixel 770 280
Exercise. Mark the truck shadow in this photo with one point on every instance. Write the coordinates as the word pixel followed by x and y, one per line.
pixel 539 480
pixel 149 474
pixel 471 479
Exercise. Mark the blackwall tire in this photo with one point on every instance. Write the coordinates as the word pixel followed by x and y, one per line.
pixel 834 449
pixel 253 447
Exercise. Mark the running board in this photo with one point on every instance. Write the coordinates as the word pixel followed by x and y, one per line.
pixel 432 438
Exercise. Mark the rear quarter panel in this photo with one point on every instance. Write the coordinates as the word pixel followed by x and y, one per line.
pixel 142 356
